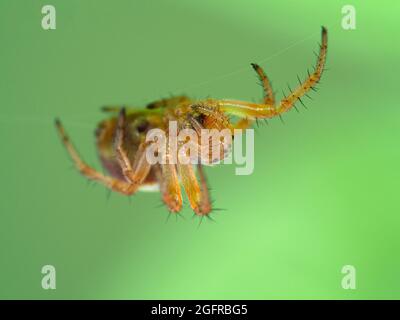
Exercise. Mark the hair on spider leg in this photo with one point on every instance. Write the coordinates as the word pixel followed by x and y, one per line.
pixel 294 105
pixel 283 93
pixel 201 218
pixel 180 215
pixel 256 131
pixel 260 83
pixel 208 216
pixel 90 183
pixel 161 204
pixel 212 200
pixel 200 222
pixel 168 216
pixel 298 78
pixel 219 209
pixel 256 126
pixel 108 194
pixel 301 101
pixel 290 89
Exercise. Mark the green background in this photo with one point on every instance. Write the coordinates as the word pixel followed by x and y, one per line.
pixel 324 192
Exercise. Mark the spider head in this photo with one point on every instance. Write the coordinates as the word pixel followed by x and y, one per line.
pixel 207 119
pixel 209 116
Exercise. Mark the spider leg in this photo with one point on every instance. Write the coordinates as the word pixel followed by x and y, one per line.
pixel 205 203
pixel 268 109
pixel 111 109
pixel 137 172
pixel 168 102
pixel 311 80
pixel 197 199
pixel 169 186
pixel 269 97
pixel 90 173
pixel 116 109
pixel 243 123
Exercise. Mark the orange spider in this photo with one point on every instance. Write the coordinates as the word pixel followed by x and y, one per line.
pixel 121 139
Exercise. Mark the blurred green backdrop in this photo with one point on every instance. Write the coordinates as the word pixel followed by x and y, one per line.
pixel 324 192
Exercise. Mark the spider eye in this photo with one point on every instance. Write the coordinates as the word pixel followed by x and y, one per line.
pixel 142 126
pixel 200 118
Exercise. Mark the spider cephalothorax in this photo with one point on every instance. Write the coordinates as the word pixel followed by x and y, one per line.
pixel 122 144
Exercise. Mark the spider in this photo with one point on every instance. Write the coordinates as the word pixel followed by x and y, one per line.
pixel 121 138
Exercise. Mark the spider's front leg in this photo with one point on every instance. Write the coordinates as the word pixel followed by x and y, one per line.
pixel 205 204
pixel 169 185
pixel 90 173
pixel 197 194
pixel 268 109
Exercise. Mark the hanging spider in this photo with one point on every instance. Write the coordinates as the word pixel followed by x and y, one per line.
pixel 121 139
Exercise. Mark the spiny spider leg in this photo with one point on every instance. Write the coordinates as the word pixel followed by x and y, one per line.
pixel 90 173
pixel 269 97
pixel 111 109
pixel 243 123
pixel 198 200
pixel 117 109
pixel 268 110
pixel 169 185
pixel 205 203
pixel 311 80
pixel 190 184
